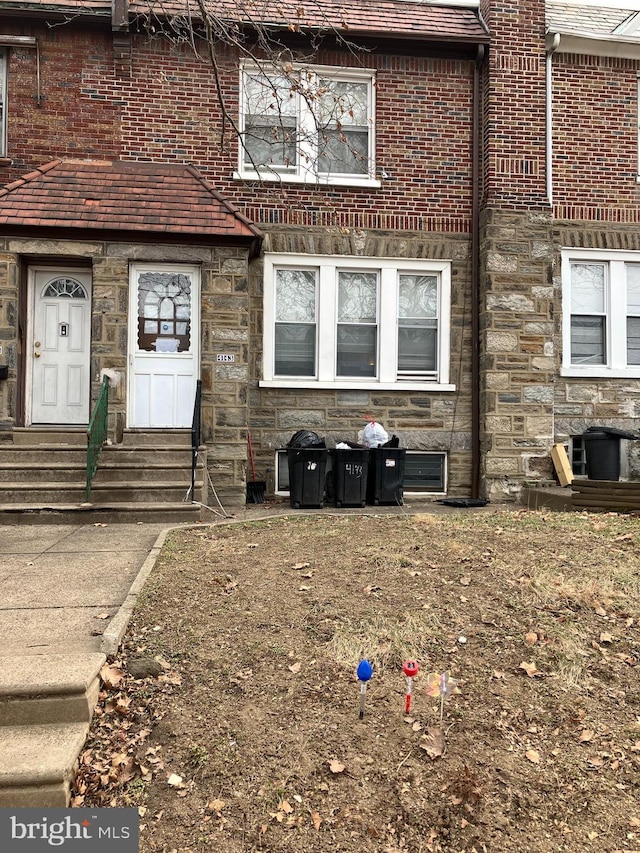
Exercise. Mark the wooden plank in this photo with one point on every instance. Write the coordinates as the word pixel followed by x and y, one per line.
pixel 610 503
pixel 561 464
pixel 611 485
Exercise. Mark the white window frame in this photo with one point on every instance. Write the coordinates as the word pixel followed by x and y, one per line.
pixel 389 270
pixel 305 171
pixel 4 68
pixel 615 317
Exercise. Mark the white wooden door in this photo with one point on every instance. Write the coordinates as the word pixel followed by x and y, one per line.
pixel 164 351
pixel 60 340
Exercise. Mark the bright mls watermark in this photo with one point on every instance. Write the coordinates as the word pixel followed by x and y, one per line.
pixel 69 830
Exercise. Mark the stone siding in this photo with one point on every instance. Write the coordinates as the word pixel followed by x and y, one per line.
pixel 224 329
pixel 423 420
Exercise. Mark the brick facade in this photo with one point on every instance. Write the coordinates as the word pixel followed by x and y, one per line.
pixel 144 99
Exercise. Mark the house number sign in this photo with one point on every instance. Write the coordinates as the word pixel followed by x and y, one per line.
pixel 226 357
pixel 64 330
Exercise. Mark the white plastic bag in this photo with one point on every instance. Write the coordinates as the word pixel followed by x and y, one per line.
pixel 374 434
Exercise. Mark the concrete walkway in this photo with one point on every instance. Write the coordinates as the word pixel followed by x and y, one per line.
pixel 62 585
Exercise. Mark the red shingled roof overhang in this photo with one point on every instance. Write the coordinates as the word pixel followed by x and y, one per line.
pixel 156 201
pixel 368 19
pixel 394 19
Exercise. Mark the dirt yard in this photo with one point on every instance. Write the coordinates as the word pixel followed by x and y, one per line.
pixel 245 733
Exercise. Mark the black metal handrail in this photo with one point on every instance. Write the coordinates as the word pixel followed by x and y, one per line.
pixel 196 428
pixel 97 433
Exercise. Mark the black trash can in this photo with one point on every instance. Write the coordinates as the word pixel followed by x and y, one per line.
pixel 307 470
pixel 385 482
pixel 602 451
pixel 350 468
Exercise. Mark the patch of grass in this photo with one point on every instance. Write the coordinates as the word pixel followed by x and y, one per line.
pixel 384 641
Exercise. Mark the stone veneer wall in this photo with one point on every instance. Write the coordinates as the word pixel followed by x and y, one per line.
pixel 224 329
pixel 580 403
pixel 518 354
pixel 423 420
pixel 9 287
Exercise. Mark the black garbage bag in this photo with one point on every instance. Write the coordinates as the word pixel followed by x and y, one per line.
pixel 394 441
pixel 306 438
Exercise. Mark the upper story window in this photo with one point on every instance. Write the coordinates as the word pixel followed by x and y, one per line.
pixel 601 313
pixel 351 322
pixel 307 125
pixel 3 101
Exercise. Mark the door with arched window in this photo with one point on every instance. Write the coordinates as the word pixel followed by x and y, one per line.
pixel 59 347
pixel 164 347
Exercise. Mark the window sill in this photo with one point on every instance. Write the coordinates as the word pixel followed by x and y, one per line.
pixel 354 385
pixel 310 180
pixel 601 372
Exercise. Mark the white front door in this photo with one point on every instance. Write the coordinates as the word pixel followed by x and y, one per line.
pixel 164 351
pixel 59 347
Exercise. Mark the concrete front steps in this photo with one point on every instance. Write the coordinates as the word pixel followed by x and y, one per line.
pixel 46 705
pixel 145 478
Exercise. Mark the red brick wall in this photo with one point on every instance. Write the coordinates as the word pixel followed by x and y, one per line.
pixel 167 109
pixel 71 121
pixel 595 138
pixel 514 104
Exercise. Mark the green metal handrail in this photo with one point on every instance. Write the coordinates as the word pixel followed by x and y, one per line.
pixel 97 432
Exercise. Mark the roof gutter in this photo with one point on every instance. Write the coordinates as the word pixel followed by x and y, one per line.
pixel 551 49
pixel 593 44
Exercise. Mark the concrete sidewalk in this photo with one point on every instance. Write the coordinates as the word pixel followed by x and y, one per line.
pixel 62 585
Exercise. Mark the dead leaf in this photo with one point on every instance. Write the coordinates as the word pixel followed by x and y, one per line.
pixel 531 638
pixel 586 736
pixel 634 821
pixel 606 637
pixel 216 805
pixel 600 611
pixel 111 675
pixel 175 781
pixel 533 755
pixel 299 566
pixel 433 743
pixel 530 668
pixel 465 581
pixel 336 766
pixel 285 806
pixel 295 667
pixel 102 616
pixel 317 820
pixel 595 761
pixel 498 673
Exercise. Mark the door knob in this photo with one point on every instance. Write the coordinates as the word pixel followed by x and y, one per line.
pixel 36 354
pixel 37 344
